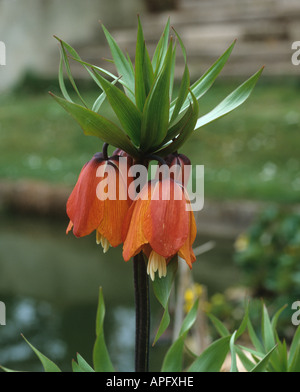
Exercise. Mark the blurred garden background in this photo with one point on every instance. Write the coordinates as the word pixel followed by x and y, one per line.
pixel 49 281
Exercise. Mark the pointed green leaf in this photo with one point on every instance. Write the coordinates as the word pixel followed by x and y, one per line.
pixel 190 319
pixel 61 80
pixel 6 370
pixel 262 364
pixel 212 359
pixel 95 125
pixel 76 368
pixel 162 289
pixel 254 339
pixel 128 114
pixel 84 365
pixel 220 327
pixel 295 346
pixel 69 73
pixel 244 323
pixel 101 359
pixel 182 94
pixel 156 110
pixel 122 64
pixel 48 365
pixel 276 317
pixel 187 124
pixel 173 359
pixel 233 367
pixel 161 49
pixel 172 73
pixel 235 99
pixel 295 364
pixel 140 91
pixel 246 362
pixel 267 331
pixel 163 325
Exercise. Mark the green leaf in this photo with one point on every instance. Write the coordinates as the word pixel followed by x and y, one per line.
pixel 162 289
pixel 182 94
pixel 173 359
pixel 276 317
pixel 233 367
pixel 163 325
pixel 247 363
pixel 156 110
pixel 69 73
pixel 212 359
pixel 190 319
pixel 84 365
pixel 295 347
pixel 187 126
pixel 95 125
pixel 128 114
pixel 262 364
pixel 161 49
pixel 6 370
pixel 122 64
pixel 267 330
pixel 244 323
pixel 172 73
pixel 254 339
pixel 295 364
pixel 76 368
pixel 61 80
pixel 48 365
pixel 101 359
pixel 140 90
pixel 220 327
pixel 235 99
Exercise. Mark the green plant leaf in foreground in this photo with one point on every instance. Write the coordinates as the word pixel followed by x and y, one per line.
pixel 162 289
pixel 212 359
pixel 48 365
pixel 101 359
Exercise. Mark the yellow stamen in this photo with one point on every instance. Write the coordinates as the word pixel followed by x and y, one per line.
pixel 100 239
pixel 158 263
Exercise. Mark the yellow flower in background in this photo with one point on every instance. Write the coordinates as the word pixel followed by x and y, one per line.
pixel 241 243
pixel 191 295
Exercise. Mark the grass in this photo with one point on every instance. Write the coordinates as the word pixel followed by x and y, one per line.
pixel 253 153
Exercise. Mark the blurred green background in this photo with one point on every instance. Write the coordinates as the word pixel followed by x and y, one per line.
pixel 49 281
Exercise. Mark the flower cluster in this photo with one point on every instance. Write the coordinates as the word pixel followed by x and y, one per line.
pixel 157 222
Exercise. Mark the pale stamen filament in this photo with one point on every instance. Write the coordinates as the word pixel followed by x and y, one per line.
pixel 158 263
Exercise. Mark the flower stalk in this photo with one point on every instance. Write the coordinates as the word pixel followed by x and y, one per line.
pixel 142 305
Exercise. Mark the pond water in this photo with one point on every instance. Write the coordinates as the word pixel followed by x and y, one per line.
pixel 49 283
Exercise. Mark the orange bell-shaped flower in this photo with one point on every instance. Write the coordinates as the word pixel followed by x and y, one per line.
pixel 159 224
pixel 100 201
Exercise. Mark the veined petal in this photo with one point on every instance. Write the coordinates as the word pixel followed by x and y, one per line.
pixel 133 234
pixel 84 209
pixel 166 223
pixel 186 251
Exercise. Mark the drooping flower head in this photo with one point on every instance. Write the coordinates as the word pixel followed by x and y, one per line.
pixel 159 224
pixel 99 200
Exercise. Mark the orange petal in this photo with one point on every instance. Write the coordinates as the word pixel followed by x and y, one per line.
pixel 84 209
pixel 114 213
pixel 133 224
pixel 166 224
pixel 186 251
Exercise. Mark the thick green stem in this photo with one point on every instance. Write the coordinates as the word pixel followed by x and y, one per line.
pixel 142 304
